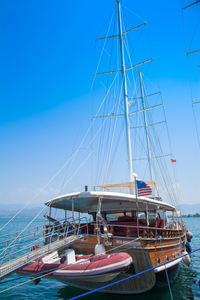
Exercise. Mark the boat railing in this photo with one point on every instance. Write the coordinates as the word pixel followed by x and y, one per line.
pixel 17 233
pixel 36 241
pixel 144 231
pixel 70 224
pixel 38 231
pixel 45 238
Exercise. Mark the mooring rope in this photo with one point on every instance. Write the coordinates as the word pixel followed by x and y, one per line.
pixel 168 282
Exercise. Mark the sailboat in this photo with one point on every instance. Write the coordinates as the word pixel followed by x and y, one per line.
pixel 147 232
pixel 155 242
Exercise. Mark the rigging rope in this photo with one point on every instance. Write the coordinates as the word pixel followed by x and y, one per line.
pixel 75 153
pixel 78 149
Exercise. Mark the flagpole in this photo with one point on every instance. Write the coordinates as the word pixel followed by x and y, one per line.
pixel 136 198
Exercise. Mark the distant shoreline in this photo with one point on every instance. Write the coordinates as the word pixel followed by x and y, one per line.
pixel 23 217
pixel 197 215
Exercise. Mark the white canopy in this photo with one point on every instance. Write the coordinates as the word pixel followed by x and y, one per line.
pixel 111 202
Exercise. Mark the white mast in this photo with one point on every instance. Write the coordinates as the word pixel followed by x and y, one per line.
pixel 123 69
pixel 145 125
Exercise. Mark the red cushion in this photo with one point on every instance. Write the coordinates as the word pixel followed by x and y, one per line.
pixel 125 219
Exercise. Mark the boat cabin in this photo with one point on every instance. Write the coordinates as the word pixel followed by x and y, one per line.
pixel 117 214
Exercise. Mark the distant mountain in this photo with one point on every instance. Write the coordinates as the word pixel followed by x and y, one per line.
pixel 190 208
pixel 8 211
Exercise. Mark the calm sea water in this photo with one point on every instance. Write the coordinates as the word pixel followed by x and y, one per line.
pixel 186 286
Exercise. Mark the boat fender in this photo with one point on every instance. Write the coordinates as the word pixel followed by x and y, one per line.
pixel 36 280
pixel 189 236
pixel 63 259
pixel 99 249
pixel 186 258
pixel 188 247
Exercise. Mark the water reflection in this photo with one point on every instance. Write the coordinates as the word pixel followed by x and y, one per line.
pixel 186 283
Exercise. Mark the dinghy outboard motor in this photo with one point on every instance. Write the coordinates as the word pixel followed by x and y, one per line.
pixel 68 257
pixel 63 259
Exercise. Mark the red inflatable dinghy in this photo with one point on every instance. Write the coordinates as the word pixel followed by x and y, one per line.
pixel 103 267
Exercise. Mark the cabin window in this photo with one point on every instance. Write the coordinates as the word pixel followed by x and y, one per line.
pixel 142 216
pixel 161 213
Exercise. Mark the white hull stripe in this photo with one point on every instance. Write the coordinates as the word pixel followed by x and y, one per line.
pixel 168 265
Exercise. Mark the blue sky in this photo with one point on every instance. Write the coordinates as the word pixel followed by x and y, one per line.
pixel 48 58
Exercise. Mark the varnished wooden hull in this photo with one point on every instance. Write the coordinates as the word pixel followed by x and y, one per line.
pixel 136 285
pixel 146 254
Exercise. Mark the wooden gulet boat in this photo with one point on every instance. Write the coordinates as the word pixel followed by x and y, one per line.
pixel 150 231
pixel 150 241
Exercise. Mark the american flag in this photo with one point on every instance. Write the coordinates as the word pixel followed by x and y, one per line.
pixel 143 188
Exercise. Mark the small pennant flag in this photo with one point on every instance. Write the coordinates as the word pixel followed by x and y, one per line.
pixel 143 188
pixel 173 160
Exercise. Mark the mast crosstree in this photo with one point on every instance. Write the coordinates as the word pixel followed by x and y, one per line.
pixel 126 102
